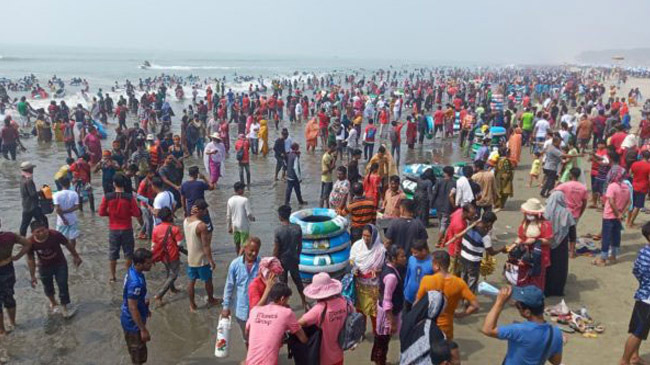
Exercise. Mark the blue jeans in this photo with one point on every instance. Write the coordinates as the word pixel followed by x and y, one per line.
pixel 611 237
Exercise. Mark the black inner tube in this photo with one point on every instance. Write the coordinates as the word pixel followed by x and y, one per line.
pixel 316 219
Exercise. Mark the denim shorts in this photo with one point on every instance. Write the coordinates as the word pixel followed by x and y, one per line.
pixel 203 273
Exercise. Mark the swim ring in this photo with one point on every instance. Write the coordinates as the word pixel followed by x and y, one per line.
pixel 317 223
pixel 331 262
pixel 326 245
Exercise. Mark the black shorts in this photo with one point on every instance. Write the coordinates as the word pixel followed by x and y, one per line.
pixel 640 320
pixel 120 239
pixel 638 199
pixel 7 282
pixel 137 348
pixel 326 189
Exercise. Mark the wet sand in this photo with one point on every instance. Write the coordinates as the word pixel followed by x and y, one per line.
pixel 94 335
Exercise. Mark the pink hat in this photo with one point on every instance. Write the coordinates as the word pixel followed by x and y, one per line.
pixel 322 286
pixel 270 265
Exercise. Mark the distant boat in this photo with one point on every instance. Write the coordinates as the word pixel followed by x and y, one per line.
pixel 145 65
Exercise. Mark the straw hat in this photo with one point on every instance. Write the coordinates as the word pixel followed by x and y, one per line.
pixel 27 166
pixel 322 286
pixel 215 135
pixel 532 206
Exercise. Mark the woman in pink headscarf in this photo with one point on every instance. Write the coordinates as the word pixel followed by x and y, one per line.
pixel 258 290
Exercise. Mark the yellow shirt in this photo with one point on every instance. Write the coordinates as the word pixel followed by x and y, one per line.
pixel 326 161
pixel 63 171
pixel 536 168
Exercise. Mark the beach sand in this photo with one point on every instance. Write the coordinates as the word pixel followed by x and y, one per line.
pixel 606 292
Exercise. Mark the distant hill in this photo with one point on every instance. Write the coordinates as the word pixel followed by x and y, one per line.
pixel 633 57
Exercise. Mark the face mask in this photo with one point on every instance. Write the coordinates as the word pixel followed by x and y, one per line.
pixel 530 217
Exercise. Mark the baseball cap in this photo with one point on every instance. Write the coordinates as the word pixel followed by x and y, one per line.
pixel 529 295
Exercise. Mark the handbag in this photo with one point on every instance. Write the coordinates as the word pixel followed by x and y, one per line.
pixel 307 353
pixel 354 328
pixel 161 254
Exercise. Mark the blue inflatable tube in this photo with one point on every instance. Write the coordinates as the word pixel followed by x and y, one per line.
pixel 329 263
pixel 317 223
pixel 100 129
pixel 326 245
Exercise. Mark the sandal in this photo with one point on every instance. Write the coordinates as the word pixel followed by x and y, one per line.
pixel 599 262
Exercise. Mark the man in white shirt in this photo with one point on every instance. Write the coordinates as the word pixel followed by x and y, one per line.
pixel 66 203
pixel 239 216
pixel 163 198
pixel 541 130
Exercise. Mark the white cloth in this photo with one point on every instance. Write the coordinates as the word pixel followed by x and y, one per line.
pixel 542 128
pixel 464 194
pixel 162 200
pixel 368 259
pixel 66 199
pixel 218 157
pixel 238 213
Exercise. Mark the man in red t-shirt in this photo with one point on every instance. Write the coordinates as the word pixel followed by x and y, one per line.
pixel 438 117
pixel 457 223
pixel 120 207
pixel 641 184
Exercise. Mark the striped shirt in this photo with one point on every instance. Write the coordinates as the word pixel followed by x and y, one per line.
pixel 641 272
pixel 474 244
pixel 362 211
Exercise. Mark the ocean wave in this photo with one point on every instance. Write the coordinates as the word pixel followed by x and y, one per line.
pixel 190 68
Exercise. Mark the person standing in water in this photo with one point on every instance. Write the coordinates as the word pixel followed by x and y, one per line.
pixel 200 263
pixel 52 264
pixel 8 276
pixel 30 199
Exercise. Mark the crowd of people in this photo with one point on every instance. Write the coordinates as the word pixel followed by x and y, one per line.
pixel 404 282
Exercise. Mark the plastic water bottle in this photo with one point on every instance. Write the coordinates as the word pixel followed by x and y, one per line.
pixel 487 289
pixel 223 338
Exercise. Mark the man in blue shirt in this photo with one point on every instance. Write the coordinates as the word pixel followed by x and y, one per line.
pixel 532 342
pixel 241 273
pixel 135 306
pixel 640 320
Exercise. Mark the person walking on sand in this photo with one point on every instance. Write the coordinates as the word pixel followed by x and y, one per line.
pixel 241 273
pixel 239 216
pixel 135 307
pixel 287 247
pixel 52 265
pixel 200 263
pixel 119 207
pixel 164 245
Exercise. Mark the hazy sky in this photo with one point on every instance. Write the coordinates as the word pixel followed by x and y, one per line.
pixel 510 31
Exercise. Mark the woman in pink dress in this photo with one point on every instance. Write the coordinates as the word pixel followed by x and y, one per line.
pixel 93 145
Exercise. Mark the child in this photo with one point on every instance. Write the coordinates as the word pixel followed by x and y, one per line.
pixel 475 242
pixel 419 265
pixel 639 323
pixel 535 169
